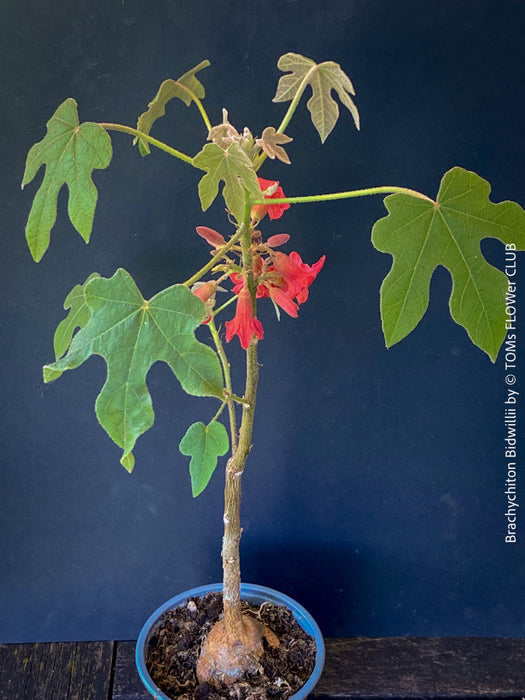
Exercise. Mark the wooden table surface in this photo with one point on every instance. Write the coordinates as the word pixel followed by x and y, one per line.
pixel 401 667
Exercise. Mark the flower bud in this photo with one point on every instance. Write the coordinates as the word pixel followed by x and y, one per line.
pixel 214 238
pixel 206 292
pixel 277 240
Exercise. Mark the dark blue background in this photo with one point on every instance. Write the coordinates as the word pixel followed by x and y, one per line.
pixel 374 493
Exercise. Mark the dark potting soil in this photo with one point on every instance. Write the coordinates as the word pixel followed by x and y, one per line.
pixel 174 647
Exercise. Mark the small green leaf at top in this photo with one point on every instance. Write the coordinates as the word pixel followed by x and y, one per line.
pixel 234 168
pixel 70 151
pixel 322 78
pixel 131 334
pixel 186 88
pixel 204 444
pixel 421 235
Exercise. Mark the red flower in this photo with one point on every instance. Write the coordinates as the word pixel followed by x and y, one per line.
pixel 244 323
pixel 285 301
pixel 206 292
pixel 294 277
pixel 283 278
pixel 274 211
pixel 238 281
pixel 311 272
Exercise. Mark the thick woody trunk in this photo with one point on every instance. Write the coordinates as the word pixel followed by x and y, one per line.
pixel 232 501
pixel 234 644
pixel 230 550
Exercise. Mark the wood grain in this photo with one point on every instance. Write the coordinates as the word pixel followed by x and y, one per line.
pixel 382 668
pixel 405 667
pixel 56 671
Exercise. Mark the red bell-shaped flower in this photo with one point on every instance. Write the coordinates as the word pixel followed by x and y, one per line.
pixel 244 323
pixel 274 211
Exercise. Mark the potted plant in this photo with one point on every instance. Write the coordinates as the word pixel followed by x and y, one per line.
pixel 247 266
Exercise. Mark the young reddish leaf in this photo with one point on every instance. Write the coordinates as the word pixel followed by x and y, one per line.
pixel 224 134
pixel 204 444
pixel 271 141
pixel 186 88
pixel 421 235
pixel 70 151
pixel 322 78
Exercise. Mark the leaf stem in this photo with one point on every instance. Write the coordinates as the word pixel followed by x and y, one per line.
pixel 203 113
pixel 386 189
pixel 199 104
pixel 289 114
pixel 227 381
pixel 221 409
pixel 293 104
pixel 224 306
pixel 240 400
pixel 149 139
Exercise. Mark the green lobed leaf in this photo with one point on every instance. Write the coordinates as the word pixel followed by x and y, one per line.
pixel 322 78
pixel 421 234
pixel 186 88
pixel 204 444
pixel 77 317
pixel 235 169
pixel 70 151
pixel 131 334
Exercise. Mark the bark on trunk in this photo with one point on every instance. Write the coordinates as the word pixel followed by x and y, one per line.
pixel 232 502
pixel 234 645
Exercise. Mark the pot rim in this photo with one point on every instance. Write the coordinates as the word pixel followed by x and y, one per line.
pixel 248 591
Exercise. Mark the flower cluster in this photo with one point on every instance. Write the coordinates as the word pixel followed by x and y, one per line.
pixel 285 279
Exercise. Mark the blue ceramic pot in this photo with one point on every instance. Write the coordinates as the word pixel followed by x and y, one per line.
pixel 251 593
